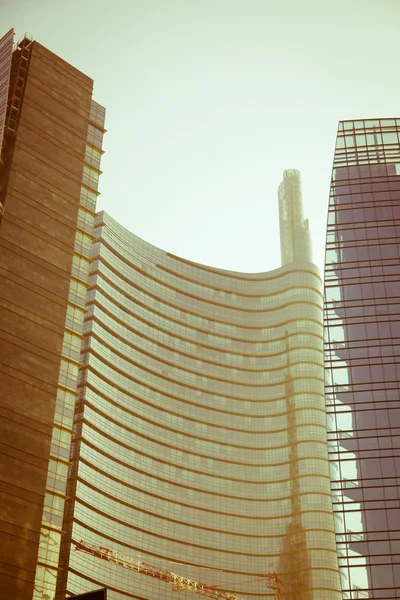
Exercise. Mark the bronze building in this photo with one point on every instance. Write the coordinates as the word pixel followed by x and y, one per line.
pixel 200 434
pixel 50 141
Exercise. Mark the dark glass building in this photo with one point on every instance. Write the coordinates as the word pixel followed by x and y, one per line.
pixel 200 432
pixel 362 350
pixel 50 149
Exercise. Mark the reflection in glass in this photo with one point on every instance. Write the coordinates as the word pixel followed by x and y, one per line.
pixel 361 356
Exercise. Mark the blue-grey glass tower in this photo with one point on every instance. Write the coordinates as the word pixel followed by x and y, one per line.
pixel 362 350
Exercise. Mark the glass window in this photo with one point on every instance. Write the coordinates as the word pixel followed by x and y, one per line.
pixel 390 138
pixel 95 136
pixel 340 142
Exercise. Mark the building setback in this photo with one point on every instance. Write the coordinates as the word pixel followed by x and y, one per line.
pixel 47 195
pixel 200 432
pixel 362 349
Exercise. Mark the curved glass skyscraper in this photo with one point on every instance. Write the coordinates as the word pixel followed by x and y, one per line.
pixel 200 434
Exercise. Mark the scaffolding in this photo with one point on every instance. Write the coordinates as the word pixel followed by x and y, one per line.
pixel 15 92
pixel 17 83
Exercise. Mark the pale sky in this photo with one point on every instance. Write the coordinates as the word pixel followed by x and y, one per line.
pixel 208 101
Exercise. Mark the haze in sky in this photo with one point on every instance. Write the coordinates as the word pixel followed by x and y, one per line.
pixel 208 102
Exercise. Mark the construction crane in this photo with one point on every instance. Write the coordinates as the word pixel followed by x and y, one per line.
pixel 274 582
pixel 178 583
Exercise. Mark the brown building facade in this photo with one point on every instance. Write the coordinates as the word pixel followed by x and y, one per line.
pixel 45 109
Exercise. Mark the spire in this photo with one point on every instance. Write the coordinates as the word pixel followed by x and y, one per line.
pixel 295 235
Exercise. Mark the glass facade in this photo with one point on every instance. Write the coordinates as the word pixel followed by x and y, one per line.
pixel 199 439
pixel 362 349
pixel 56 484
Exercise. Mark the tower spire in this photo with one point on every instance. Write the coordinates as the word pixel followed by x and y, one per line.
pixel 294 231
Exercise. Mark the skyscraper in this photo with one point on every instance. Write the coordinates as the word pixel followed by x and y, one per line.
pixel 200 433
pixel 196 395
pixel 362 349
pixel 50 142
